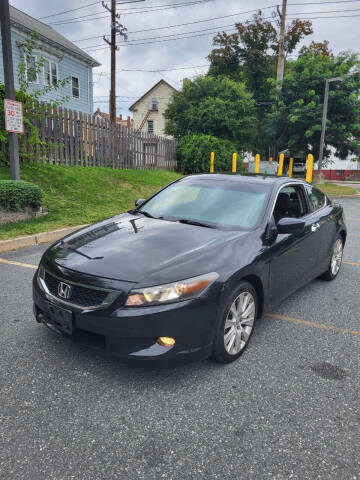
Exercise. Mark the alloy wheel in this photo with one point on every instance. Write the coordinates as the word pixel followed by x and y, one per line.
pixel 336 257
pixel 239 323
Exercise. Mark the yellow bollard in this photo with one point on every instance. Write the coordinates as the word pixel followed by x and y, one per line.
pixel 291 164
pixel 257 163
pixel 281 164
pixel 212 158
pixel 309 167
pixel 234 160
pixel 270 159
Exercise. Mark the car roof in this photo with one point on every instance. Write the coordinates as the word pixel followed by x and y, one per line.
pixel 256 178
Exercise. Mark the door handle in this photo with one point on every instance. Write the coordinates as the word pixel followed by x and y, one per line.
pixel 315 226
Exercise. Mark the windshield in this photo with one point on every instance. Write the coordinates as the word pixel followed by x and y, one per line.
pixel 227 203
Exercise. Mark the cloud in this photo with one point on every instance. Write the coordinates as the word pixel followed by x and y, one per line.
pixel 341 32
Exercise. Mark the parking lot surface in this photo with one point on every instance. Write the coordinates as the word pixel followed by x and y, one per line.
pixel 289 408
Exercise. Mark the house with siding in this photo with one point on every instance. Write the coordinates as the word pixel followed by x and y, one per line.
pixel 149 110
pixel 62 59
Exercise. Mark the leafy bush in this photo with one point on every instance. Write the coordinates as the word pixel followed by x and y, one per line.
pixel 18 195
pixel 194 151
pixel 4 161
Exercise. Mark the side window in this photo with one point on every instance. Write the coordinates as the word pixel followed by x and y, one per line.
pixel 290 203
pixel 316 197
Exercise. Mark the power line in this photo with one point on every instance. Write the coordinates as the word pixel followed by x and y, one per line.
pixel 171 35
pixel 92 17
pixel 71 10
pixel 184 24
pixel 134 43
pixel 128 44
pixel 85 6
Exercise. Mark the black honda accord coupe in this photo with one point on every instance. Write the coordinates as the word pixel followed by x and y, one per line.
pixel 186 274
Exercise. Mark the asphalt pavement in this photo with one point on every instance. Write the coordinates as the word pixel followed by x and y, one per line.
pixel 289 408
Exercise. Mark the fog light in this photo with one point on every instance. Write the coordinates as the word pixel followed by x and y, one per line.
pixel 166 341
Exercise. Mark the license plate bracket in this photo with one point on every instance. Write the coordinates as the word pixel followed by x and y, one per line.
pixel 59 318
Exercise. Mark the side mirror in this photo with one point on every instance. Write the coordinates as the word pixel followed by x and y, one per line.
pixel 139 202
pixel 290 225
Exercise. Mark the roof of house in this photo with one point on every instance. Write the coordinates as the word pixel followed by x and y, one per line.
pixel 119 120
pixel 162 81
pixel 46 33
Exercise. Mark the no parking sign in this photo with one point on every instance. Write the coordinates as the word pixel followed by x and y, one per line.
pixel 13 116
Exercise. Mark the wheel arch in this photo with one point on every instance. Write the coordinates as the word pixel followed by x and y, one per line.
pixel 259 288
pixel 343 234
pixel 255 281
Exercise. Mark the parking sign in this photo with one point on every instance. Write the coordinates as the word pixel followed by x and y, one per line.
pixel 13 116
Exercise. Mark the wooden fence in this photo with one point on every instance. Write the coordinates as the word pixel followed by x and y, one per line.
pixel 75 138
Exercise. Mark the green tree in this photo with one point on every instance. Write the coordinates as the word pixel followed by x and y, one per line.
pixel 33 108
pixel 194 151
pixel 295 123
pixel 214 106
pixel 250 54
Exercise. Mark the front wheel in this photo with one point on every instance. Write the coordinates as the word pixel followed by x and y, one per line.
pixel 236 324
pixel 336 260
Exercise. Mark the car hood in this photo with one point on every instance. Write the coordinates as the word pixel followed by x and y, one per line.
pixel 135 248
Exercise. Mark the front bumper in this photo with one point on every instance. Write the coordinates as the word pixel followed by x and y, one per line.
pixel 131 333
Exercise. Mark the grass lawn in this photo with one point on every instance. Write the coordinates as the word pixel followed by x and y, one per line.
pixel 333 189
pixel 79 195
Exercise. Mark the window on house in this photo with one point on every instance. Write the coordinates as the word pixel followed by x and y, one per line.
pixel 154 104
pixel 50 73
pixel 31 73
pixel 150 125
pixel 75 87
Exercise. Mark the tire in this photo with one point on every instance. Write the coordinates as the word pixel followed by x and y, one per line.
pixel 335 260
pixel 229 346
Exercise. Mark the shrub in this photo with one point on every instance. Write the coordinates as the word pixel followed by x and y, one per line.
pixel 18 195
pixel 194 150
pixel 4 161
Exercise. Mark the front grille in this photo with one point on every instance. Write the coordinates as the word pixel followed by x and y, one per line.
pixel 79 295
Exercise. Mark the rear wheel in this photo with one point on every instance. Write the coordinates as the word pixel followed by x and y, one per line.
pixel 335 261
pixel 236 324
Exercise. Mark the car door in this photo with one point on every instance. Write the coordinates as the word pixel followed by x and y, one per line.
pixel 321 216
pixel 292 256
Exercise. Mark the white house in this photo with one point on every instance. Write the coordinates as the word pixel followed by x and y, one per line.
pixel 149 110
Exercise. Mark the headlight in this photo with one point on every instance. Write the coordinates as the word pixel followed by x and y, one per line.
pixel 41 276
pixel 171 292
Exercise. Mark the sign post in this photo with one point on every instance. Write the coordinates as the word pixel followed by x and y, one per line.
pixel 9 84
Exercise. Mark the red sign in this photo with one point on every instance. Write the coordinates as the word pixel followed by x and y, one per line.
pixel 13 116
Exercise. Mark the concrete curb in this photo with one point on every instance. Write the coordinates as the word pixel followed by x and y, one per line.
pixel 33 240
pixel 335 197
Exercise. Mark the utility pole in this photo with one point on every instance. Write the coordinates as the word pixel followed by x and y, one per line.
pixel 116 27
pixel 281 55
pixel 9 84
pixel 324 116
pixel 113 64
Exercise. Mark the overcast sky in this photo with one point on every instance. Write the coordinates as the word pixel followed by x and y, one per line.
pixel 342 31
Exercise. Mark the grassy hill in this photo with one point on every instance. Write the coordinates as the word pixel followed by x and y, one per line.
pixel 78 195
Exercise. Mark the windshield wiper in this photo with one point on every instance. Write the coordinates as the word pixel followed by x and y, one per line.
pixel 188 221
pixel 146 214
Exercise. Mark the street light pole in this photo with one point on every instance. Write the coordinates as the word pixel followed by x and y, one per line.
pixel 324 116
